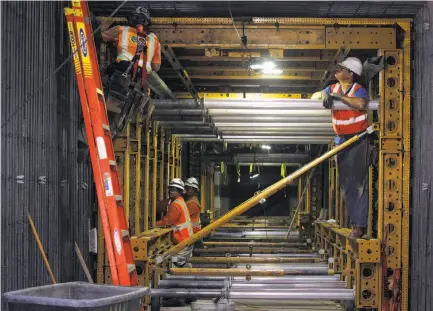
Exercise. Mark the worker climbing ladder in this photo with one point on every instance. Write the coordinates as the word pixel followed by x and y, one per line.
pixel 117 239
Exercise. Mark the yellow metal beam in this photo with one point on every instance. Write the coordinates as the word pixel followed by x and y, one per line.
pixel 154 170
pixel 225 272
pixel 315 76
pixel 230 260
pixel 218 69
pixel 162 165
pixel 138 177
pixel 146 179
pixel 126 174
pixel 199 36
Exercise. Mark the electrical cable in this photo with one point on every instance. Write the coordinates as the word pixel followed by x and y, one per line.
pixel 26 101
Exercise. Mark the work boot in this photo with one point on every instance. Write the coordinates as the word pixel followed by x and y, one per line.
pixel 357 233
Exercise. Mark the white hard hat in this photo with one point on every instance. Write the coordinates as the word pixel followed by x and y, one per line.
pixel 353 64
pixel 192 182
pixel 177 183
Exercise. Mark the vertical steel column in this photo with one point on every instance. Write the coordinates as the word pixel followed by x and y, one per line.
pixel 405 85
pixel 203 188
pixel 161 164
pixel 154 170
pixel 338 215
pixel 173 157
pixel 126 173
pixel 211 190
pixel 138 173
pixel 146 179
pixel 370 202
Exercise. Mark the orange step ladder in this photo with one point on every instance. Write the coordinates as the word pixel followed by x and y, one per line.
pixel 116 233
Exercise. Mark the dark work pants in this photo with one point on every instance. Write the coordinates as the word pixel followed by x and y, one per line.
pixel 353 163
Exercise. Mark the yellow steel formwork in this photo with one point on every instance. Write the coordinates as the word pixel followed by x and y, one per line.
pixel 394 144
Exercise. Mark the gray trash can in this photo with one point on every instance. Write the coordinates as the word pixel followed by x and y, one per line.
pixel 76 296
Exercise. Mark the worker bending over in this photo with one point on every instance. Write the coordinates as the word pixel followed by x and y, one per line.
pixel 352 162
pixel 192 202
pixel 136 46
pixel 178 218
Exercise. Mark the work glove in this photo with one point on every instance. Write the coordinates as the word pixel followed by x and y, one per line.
pixel 327 100
pixel 148 67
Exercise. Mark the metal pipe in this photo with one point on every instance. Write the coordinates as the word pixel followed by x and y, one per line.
pixel 267 103
pixel 248 123
pixel 288 279
pixel 158 86
pixel 248 286
pixel 180 293
pixel 178 112
pixel 176 104
pixel 225 272
pixel 254 244
pixel 262 250
pixel 272 129
pixel 196 278
pixel 259 279
pixel 269 140
pixel 308 294
pixel 231 260
pixel 269 112
pixel 245 206
pixel 282 287
pixel 296 119
pixel 191 284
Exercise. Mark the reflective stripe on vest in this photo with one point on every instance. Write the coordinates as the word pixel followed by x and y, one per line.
pixel 126 47
pixel 348 121
pixel 196 224
pixel 187 223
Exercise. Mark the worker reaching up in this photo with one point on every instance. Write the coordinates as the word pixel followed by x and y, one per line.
pixel 135 45
pixel 178 218
pixel 192 202
pixel 353 162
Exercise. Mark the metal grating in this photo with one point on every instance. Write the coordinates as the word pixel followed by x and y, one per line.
pixel 421 271
pixel 266 8
pixel 40 170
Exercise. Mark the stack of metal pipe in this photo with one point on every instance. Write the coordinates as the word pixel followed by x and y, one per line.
pixel 249 120
pixel 293 287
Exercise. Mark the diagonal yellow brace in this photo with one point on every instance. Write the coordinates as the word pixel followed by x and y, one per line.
pixel 245 206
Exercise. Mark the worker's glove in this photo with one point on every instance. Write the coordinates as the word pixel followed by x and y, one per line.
pixel 327 100
pixel 148 67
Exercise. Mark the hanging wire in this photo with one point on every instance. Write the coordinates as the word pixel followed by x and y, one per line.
pixel 233 22
pixel 67 60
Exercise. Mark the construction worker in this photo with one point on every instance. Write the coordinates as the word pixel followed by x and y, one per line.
pixel 178 218
pixel 353 162
pixel 191 199
pixel 135 44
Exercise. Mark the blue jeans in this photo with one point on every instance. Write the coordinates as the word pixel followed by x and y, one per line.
pixel 353 163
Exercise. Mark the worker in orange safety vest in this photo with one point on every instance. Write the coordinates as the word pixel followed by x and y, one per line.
pixel 354 161
pixel 177 217
pixel 134 40
pixel 192 202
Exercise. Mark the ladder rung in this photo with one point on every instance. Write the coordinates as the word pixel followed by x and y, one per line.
pixel 112 162
pixel 118 197
pixel 131 268
pixel 125 233
pixel 105 127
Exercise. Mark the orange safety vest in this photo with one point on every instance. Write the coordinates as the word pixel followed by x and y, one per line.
pixel 347 122
pixel 194 209
pixel 182 228
pixel 127 45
